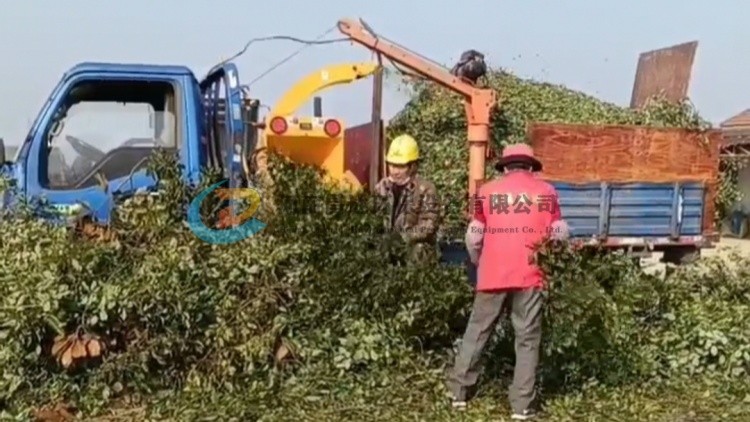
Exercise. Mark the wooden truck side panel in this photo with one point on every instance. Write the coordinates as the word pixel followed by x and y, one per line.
pixel 585 154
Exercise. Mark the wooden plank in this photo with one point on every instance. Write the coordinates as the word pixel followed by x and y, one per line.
pixel 666 70
pixel 376 154
pixel 625 154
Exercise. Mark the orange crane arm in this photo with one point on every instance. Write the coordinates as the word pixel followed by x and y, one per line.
pixel 478 102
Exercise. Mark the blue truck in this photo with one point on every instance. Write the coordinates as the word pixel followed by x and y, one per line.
pixel 92 138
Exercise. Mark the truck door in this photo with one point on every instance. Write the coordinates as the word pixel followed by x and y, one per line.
pixel 223 100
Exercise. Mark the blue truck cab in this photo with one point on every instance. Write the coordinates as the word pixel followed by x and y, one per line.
pixel 93 136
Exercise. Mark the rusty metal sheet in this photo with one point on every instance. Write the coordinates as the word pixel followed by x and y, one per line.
pixel 736 129
pixel 741 120
pixel 666 70
pixel 358 151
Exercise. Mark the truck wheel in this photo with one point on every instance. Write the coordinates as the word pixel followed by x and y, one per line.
pixel 681 255
pixel 744 228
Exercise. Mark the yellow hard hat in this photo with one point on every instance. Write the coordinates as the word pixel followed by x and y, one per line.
pixel 403 150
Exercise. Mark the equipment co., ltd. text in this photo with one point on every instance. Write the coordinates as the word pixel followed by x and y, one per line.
pixel 514 230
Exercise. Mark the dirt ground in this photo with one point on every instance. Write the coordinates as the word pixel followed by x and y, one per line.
pixel 723 248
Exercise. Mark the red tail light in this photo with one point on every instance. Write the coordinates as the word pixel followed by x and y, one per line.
pixel 332 128
pixel 278 125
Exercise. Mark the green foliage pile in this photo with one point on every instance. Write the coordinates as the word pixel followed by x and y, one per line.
pixel 436 118
pixel 318 317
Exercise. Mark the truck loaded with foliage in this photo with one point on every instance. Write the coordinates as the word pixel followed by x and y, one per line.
pixel 318 318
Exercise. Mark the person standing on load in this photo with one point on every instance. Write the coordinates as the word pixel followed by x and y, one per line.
pixel 413 206
pixel 512 214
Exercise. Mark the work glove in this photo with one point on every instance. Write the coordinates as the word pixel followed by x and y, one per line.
pixel 474 239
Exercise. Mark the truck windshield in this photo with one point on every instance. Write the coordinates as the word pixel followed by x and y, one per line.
pixel 108 127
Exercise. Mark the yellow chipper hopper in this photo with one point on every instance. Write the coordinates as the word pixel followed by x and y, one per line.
pixel 314 140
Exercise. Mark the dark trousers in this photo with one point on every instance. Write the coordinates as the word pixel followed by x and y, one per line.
pixel 526 317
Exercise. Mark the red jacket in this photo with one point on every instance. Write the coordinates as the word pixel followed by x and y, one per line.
pixel 517 211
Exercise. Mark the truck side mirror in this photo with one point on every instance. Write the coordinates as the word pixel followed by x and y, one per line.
pixel 2 151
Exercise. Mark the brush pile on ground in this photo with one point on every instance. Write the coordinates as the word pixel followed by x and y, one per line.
pixel 319 318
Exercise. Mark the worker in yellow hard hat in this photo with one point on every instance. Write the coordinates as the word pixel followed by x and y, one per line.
pixel 413 206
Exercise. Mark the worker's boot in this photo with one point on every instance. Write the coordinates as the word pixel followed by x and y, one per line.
pixel 526 415
pixel 459 405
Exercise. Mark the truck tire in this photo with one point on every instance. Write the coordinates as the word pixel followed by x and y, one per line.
pixel 680 255
pixel 738 223
pixel 743 231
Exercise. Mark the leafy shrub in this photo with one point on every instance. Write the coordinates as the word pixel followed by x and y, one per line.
pixel 319 297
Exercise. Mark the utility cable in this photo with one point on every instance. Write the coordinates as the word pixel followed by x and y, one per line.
pixel 306 44
pixel 317 41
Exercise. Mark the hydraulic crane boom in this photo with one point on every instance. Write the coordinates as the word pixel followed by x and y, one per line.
pixel 477 102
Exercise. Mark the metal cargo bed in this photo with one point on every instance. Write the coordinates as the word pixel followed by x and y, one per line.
pixel 617 214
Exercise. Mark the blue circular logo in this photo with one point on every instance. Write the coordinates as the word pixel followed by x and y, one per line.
pixel 249 226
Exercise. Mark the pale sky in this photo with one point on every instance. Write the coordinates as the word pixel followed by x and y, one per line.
pixel 592 46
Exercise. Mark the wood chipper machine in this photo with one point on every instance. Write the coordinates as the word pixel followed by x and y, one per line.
pixel 315 140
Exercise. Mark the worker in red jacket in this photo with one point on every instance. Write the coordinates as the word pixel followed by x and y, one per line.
pixel 512 214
